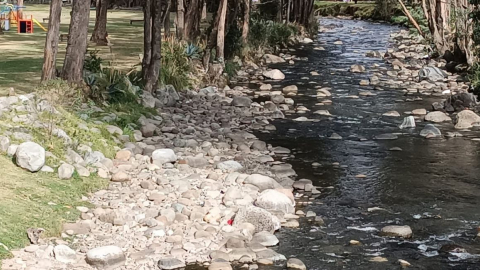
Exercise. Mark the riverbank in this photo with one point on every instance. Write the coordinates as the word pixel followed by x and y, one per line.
pixel 360 10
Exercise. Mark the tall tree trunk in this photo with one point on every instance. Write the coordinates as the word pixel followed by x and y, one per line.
pixel 180 19
pixel 246 21
pixel 51 41
pixel 153 70
pixel 289 6
pixel 279 10
pixel 20 10
pixel 212 38
pixel 147 37
pixel 204 11
pixel 221 31
pixel 100 34
pixel 77 42
pixel 193 17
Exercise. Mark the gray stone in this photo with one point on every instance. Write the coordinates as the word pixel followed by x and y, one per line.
pixel 432 74
pixel 121 177
pixel 64 254
pixel 273 59
pixel 294 263
pixel 466 119
pixel 197 162
pixel 262 182
pixel 357 69
pixel 301 184
pixel 94 157
pixel 65 171
pixel 408 122
pixel 274 74
pixel 430 131
pixel 47 169
pixel 167 96
pixel 73 157
pixel 12 149
pixel 220 266
pixel 170 263
pixel 148 130
pixel 107 257
pixel 229 166
pixel 260 218
pixel 397 231
pixel 30 156
pixel 274 200
pixel 437 117
pixel 162 156
pixel 265 238
pixel 4 144
pixel 386 136
pixel 148 100
pixel 270 254
pixel 239 101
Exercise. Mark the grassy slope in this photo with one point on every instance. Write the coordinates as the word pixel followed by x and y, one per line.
pixel 364 9
pixel 37 201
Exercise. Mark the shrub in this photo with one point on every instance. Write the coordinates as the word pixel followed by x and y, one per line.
pixel 231 68
pixel 176 65
pixel 270 34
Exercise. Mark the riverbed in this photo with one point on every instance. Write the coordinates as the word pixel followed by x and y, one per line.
pixel 430 185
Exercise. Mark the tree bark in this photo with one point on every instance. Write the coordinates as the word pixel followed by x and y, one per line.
pixel 100 34
pixel 51 41
pixel 246 21
pixel 412 20
pixel 180 19
pixel 20 10
pixel 211 42
pixel 193 16
pixel 147 37
pixel 221 31
pixel 153 70
pixel 77 42
pixel 289 6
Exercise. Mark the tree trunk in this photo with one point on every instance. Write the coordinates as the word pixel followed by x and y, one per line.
pixel 246 21
pixel 221 31
pixel 211 42
pixel 147 37
pixel 412 20
pixel 180 19
pixel 289 6
pixel 193 17
pixel 153 70
pixel 204 11
pixel 100 34
pixel 51 41
pixel 77 42
pixel 20 10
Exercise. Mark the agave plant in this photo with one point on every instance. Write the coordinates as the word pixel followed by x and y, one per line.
pixel 192 51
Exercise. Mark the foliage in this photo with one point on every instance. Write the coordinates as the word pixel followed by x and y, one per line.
pixel 268 9
pixel 93 62
pixel 385 9
pixel 192 51
pixel 417 14
pixel 176 64
pixel 233 41
pixel 231 68
pixel 474 78
pixel 270 34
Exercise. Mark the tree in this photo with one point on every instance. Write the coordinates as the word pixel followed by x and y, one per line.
pixel 180 19
pixel 193 17
pixel 246 21
pixel 221 31
pixel 20 10
pixel 51 41
pixel 77 42
pixel 153 42
pixel 100 34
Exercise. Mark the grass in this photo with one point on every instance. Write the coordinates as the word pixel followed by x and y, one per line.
pixel 37 201
pixel 363 9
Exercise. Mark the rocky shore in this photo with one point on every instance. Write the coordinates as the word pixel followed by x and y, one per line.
pixel 195 186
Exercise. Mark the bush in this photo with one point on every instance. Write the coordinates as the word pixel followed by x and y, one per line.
pixel 270 34
pixel 231 68
pixel 176 65
pixel 385 9
pixel 417 14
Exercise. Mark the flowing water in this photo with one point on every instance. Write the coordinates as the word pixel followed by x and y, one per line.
pixel 432 185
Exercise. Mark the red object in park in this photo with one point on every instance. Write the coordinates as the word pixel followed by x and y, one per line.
pixel 25 26
pixel 230 222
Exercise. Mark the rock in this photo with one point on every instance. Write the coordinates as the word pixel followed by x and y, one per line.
pixel 197 162
pixel 64 254
pixel 265 238
pixel 47 169
pixel 273 59
pixel 220 266
pixel 107 257
pixel 466 119
pixel 260 218
pixel 408 122
pixel 12 149
pixel 148 130
pixel 270 254
pixel 167 96
pixel 114 130
pixel 4 144
pixel 335 136
pixel 30 156
pixel 94 157
pixel 162 156
pixel 397 231
pixel 357 69
pixel 239 101
pixel 355 243
pixel 123 155
pixel 437 117
pixel 404 263
pixel 265 87
pixel 432 74
pixel 294 263
pixel 430 131
pixel 302 184
pixel 378 259
pixel 262 182
pixel 290 89
pixel 121 177
pixel 386 136
pixel 364 82
pixel 307 41
pixel 148 100
pixel 419 112
pixel 392 114
pixel 274 74
pixel 65 171
pixel 322 112
pixel 274 200
pixel 229 166
pixel 170 263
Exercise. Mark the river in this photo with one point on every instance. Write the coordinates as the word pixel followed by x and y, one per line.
pixel 432 185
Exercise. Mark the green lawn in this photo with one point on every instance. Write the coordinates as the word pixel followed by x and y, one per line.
pixel 37 201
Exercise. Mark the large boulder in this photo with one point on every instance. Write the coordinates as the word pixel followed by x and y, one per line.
pixel 430 131
pixel 260 218
pixel 162 156
pixel 265 238
pixel 437 117
pixel 64 254
pixel 432 74
pixel 30 156
pixel 274 74
pixel 229 166
pixel 167 96
pixel 262 182
pixel 274 200
pixel 294 263
pixel 107 257
pixel 170 263
pixel 273 59
pixel 65 171
pixel 466 119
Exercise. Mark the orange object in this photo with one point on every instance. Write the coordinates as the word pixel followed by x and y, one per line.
pixel 25 26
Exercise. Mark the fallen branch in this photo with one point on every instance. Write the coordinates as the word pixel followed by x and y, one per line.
pixel 412 20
